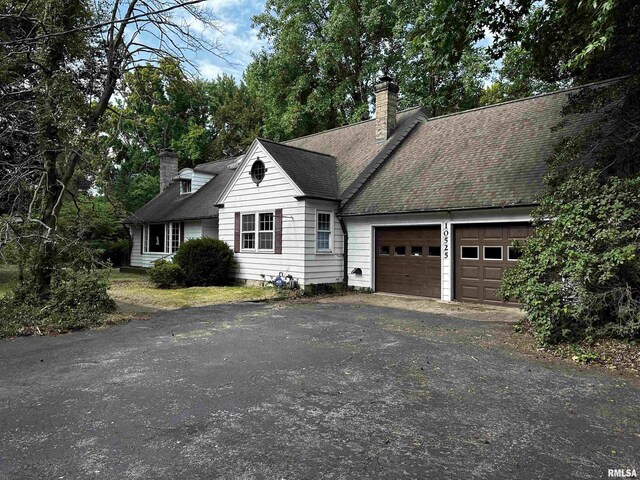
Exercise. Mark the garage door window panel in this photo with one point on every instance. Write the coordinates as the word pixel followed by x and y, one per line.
pixel 470 253
pixel 416 251
pixel 385 250
pixel 400 251
pixel 434 251
pixel 492 253
pixel 513 254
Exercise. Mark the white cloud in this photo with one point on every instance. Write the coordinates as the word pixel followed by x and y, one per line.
pixel 218 6
pixel 209 70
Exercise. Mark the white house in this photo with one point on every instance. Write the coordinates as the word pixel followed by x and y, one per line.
pixel 401 203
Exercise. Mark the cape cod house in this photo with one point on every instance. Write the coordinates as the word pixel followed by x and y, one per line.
pixel 402 203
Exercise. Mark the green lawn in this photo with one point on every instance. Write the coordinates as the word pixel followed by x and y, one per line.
pixel 132 290
pixel 135 293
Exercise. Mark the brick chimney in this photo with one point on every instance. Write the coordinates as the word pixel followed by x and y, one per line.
pixel 168 167
pixel 386 107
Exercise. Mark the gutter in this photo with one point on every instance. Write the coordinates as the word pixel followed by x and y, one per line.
pixel 345 255
pixel 443 210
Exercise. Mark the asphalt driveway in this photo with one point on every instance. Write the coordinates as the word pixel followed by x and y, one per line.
pixel 271 391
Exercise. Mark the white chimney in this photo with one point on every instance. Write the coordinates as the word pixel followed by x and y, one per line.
pixel 386 107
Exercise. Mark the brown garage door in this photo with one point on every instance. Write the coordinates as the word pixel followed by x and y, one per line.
pixel 408 260
pixel 482 254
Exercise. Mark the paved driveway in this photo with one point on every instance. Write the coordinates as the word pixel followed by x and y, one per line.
pixel 304 391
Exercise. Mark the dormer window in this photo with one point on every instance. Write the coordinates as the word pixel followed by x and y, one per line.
pixel 185 186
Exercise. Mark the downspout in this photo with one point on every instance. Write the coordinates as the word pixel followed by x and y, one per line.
pixel 345 272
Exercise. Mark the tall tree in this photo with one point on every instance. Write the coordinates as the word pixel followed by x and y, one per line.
pixel 322 64
pixel 162 107
pixel 66 60
pixel 578 277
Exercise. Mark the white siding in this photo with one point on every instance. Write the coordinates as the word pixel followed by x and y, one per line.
pixel 322 267
pixel 141 259
pixel 210 228
pixel 361 239
pixel 192 229
pixel 198 179
pixel 275 191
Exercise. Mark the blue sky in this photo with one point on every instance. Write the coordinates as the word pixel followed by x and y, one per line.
pixel 236 35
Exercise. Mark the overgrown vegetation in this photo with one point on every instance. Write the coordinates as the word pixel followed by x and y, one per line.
pixel 579 277
pixel 204 262
pixel 166 274
pixel 78 300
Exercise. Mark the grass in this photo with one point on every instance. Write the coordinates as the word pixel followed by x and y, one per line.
pixel 137 296
pixel 132 291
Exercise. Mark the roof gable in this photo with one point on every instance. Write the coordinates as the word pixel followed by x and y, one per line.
pixel 255 151
pixel 314 173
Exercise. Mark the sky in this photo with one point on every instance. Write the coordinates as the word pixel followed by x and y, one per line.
pixel 236 35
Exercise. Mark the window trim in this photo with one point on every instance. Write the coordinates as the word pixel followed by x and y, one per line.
pixel 484 253
pixel 182 181
pixel 243 231
pixel 256 232
pixel 253 173
pixel 272 231
pixel 477 257
pixel 168 238
pixel 331 232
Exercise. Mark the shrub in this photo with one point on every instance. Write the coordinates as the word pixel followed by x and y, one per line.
pixel 579 275
pixel 78 300
pixel 166 274
pixel 204 261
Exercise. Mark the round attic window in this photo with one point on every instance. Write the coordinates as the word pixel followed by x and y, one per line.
pixel 258 170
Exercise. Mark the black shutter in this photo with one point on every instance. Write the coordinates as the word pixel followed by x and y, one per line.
pixel 141 239
pixel 181 233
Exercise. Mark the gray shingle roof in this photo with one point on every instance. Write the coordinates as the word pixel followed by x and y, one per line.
pixel 171 206
pixel 487 157
pixel 314 173
pixel 353 146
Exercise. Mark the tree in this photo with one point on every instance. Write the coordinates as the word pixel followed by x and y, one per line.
pixel 65 62
pixel 161 107
pixel 325 58
pixel 578 277
pixel 323 61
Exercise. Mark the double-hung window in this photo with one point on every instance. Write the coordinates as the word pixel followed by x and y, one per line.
pixel 265 231
pixel 323 232
pixel 249 232
pixel 258 231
